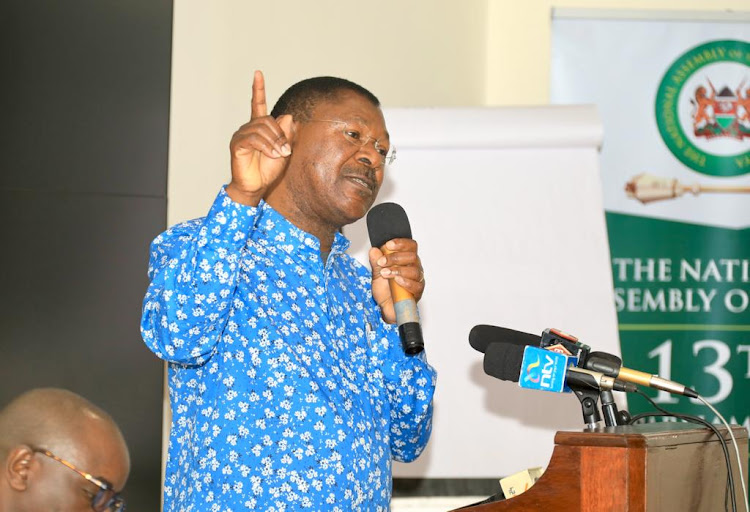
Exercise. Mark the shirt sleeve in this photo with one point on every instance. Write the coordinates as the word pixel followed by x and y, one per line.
pixel 410 384
pixel 193 271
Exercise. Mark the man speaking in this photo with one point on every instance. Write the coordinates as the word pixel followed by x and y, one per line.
pixel 289 386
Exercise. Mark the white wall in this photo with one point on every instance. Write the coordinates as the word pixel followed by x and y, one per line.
pixel 410 53
pixel 506 206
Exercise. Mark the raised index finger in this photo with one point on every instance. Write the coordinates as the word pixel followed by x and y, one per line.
pixel 258 102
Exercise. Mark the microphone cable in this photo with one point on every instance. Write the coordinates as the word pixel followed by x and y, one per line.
pixel 736 449
pixel 695 419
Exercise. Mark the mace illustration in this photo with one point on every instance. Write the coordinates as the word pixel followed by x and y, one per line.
pixel 647 188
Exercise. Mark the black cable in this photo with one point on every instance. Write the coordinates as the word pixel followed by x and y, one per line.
pixel 700 421
pixel 729 489
pixel 729 484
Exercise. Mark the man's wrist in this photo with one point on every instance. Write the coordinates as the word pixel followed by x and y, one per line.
pixel 242 197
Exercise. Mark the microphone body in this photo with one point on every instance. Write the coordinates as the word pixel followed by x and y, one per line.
pixel 563 343
pixel 580 377
pixel 612 366
pixel 407 317
pixel 387 221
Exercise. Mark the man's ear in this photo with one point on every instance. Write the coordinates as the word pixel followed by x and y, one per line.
pixel 18 467
pixel 289 126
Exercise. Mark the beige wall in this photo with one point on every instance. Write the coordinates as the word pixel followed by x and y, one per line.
pixel 409 52
pixel 518 45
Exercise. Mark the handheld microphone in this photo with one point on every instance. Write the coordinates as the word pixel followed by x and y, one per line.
pixel 387 221
pixel 536 368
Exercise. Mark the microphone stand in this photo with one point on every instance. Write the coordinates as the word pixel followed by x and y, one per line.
pixel 588 398
pixel 609 409
pixel 612 417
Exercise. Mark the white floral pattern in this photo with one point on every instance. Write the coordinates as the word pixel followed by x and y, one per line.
pixel 288 391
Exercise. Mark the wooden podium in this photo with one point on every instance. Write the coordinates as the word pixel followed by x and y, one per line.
pixel 660 467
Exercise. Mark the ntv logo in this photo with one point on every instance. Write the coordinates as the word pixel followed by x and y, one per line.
pixel 547 372
pixel 543 370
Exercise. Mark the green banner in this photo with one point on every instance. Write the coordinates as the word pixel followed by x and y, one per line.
pixel 682 294
pixel 675 161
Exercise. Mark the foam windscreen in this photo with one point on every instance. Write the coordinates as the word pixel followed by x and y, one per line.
pixel 387 221
pixel 503 361
pixel 481 336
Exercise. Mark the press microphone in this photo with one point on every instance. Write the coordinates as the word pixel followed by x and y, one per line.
pixel 555 340
pixel 481 336
pixel 537 368
pixel 387 221
pixel 612 365
pixel 608 364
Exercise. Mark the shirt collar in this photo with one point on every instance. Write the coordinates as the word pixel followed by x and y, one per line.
pixel 290 238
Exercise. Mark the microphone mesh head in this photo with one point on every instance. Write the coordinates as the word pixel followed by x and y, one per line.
pixel 503 361
pixel 387 221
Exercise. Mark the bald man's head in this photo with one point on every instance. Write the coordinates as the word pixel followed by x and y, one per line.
pixel 65 425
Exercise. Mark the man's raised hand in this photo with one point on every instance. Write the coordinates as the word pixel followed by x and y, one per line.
pixel 259 150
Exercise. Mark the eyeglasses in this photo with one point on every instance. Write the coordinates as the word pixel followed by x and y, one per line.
pixel 354 137
pixel 106 499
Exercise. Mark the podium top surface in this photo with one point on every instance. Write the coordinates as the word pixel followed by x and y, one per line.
pixel 646 436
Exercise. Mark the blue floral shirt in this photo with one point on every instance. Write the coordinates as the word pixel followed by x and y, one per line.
pixel 288 391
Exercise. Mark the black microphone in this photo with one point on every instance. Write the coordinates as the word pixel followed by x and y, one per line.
pixel 504 360
pixel 601 362
pixel 387 221
pixel 481 336
pixel 552 339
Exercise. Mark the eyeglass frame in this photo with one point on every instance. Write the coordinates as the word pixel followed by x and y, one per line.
pixel 387 159
pixel 100 482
